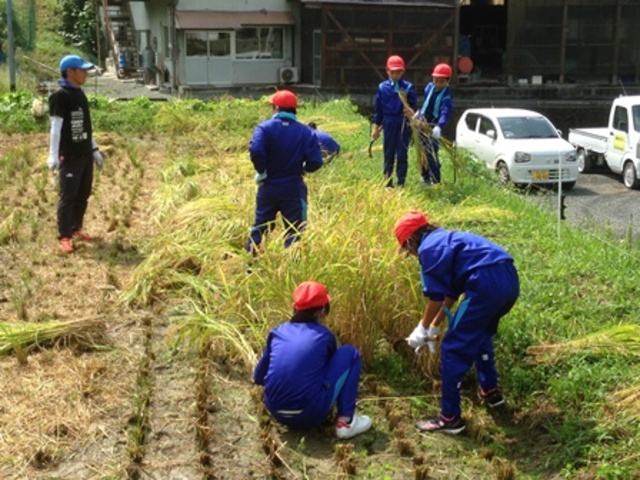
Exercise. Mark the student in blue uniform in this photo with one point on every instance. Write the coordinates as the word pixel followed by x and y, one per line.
pixel 451 264
pixel 436 111
pixel 389 116
pixel 72 149
pixel 305 373
pixel 282 151
pixel 329 146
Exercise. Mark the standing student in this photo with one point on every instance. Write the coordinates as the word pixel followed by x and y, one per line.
pixel 72 149
pixel 282 151
pixel 305 373
pixel 451 264
pixel 436 111
pixel 389 116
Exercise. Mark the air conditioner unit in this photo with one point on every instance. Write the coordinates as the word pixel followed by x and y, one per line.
pixel 288 75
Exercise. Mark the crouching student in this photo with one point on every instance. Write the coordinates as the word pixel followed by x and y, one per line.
pixel 305 373
pixel 329 146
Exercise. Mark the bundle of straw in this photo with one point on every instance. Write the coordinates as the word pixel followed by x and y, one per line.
pixel 421 133
pixel 25 336
pixel 621 340
pixel 628 399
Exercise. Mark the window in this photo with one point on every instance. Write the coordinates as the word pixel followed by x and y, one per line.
pixel 620 119
pixel 196 44
pixel 486 125
pixel 219 44
pixel 471 120
pixel 636 117
pixel 527 127
pixel 259 43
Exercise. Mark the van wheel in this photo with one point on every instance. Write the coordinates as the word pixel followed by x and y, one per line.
pixel 503 173
pixel 629 176
pixel 585 164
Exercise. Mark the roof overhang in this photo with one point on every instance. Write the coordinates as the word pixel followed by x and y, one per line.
pixel 211 19
pixel 388 3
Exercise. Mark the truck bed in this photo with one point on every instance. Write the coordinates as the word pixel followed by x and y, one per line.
pixel 593 139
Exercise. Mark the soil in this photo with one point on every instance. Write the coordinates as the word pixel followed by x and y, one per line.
pixel 142 405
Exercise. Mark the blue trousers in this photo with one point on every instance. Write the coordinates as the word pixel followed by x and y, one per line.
pixel 339 388
pixel 290 199
pixel 396 135
pixel 490 294
pixel 432 175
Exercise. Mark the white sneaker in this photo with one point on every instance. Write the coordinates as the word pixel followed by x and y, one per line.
pixel 358 425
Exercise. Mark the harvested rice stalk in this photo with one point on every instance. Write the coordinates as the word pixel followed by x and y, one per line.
pixel 420 134
pixel 621 340
pixel 629 400
pixel 27 336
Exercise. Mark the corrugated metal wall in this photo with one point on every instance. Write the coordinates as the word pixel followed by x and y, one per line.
pixel 574 41
pixel 356 41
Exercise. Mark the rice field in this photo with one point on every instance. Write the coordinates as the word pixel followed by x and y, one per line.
pixel 162 389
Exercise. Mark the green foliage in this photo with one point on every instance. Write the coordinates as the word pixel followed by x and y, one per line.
pixel 20 40
pixel 15 113
pixel 78 24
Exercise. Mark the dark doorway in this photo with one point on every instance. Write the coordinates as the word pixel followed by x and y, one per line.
pixel 483 38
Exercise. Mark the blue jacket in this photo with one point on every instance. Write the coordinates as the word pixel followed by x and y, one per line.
pixel 437 106
pixel 284 148
pixel 327 142
pixel 448 258
pixel 388 106
pixel 294 363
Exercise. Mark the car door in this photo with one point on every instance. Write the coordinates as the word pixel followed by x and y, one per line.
pixel 618 142
pixel 486 140
pixel 466 131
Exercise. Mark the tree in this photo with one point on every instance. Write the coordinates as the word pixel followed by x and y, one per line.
pixel 78 24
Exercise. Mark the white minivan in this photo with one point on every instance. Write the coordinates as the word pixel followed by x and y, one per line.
pixel 522 146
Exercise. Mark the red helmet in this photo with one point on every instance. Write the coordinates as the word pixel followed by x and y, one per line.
pixel 284 99
pixel 407 224
pixel 310 295
pixel 395 62
pixel 442 70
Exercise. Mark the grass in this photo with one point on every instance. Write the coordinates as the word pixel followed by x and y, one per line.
pixel 566 351
pixel 571 287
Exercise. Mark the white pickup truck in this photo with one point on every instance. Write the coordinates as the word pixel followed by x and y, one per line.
pixel 617 146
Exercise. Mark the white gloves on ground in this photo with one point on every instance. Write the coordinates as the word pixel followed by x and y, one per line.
pixel 436 132
pixel 98 158
pixel 423 336
pixel 260 177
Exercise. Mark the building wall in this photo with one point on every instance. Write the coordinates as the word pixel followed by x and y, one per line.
pixel 356 40
pixel 234 5
pixel 574 41
pixel 170 43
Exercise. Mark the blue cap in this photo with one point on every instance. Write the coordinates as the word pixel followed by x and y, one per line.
pixel 74 61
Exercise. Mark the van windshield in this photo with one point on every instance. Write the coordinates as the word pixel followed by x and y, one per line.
pixel 527 127
pixel 635 110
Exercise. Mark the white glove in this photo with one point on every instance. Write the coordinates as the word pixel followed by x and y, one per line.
pixel 97 157
pixel 432 334
pixel 53 162
pixel 423 336
pixel 435 133
pixel 418 337
pixel 260 177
